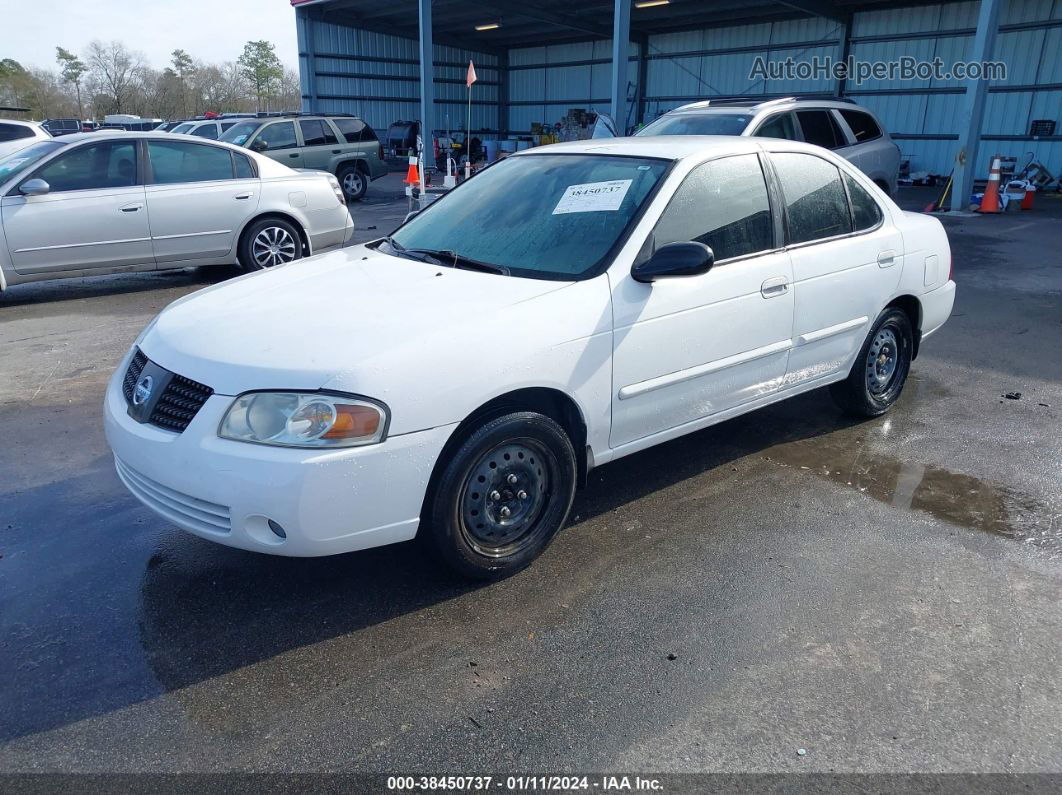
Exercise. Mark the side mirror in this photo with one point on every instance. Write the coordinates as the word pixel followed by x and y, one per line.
pixel 34 187
pixel 259 146
pixel 675 259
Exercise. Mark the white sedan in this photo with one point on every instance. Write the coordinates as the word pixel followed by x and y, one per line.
pixel 567 307
pixel 95 203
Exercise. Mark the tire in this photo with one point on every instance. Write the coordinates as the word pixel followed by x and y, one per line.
pixel 880 369
pixel 523 463
pixel 269 242
pixel 354 182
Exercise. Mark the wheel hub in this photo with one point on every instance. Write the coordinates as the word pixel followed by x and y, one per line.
pixel 504 495
pixel 882 360
pixel 274 245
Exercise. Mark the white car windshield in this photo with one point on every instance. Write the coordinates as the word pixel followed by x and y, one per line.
pixel 698 124
pixel 539 215
pixel 24 158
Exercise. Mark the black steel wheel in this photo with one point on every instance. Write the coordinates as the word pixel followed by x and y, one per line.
pixel 502 495
pixel 880 370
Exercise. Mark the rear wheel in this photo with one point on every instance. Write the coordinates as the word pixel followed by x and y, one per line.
pixel 502 495
pixel 881 369
pixel 353 181
pixel 268 243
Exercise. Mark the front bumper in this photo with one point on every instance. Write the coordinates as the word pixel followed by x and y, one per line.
pixel 326 501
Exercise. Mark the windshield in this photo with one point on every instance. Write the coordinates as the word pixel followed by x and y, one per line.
pixel 698 124
pixel 544 216
pixel 24 158
pixel 238 134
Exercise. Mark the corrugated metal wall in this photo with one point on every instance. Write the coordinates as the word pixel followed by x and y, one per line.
pixel 375 75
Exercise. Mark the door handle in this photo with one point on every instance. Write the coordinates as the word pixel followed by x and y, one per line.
pixel 133 209
pixel 337 151
pixel 246 195
pixel 887 258
pixel 294 154
pixel 775 286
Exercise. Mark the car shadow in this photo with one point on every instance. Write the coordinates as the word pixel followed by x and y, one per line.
pixel 59 290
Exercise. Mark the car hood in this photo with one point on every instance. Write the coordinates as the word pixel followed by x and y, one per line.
pixel 341 320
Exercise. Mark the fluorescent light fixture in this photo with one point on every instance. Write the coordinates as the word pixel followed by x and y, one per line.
pixel 495 25
pixel 651 3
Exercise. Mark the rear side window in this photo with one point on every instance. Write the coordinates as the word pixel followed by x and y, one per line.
pixel 175 162
pixel 866 214
pixel 354 130
pixel 110 164
pixel 12 132
pixel 275 136
pixel 207 131
pixel 316 133
pixel 779 126
pixel 815 201
pixel 722 204
pixel 244 169
pixel 820 128
pixel 864 128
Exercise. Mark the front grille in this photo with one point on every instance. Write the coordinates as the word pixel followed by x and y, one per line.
pixel 132 375
pixel 179 403
pixel 180 399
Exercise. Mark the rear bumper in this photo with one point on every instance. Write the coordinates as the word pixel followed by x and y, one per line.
pixel 936 308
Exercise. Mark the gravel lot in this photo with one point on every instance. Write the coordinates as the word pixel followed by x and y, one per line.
pixel 885 594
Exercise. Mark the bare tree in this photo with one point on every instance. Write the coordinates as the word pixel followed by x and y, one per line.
pixel 116 72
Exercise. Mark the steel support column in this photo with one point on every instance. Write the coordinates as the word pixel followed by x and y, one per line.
pixel 427 82
pixel 503 94
pixel 308 63
pixel 973 107
pixel 846 51
pixel 643 77
pixel 621 45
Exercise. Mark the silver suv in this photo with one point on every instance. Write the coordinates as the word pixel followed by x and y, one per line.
pixel 838 124
pixel 340 144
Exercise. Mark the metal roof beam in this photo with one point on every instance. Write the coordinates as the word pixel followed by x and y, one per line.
pixel 554 18
pixel 817 8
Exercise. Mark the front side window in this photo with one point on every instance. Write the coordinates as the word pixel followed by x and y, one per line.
pixel 316 133
pixel 207 131
pixel 821 129
pixel 538 215
pixel 722 204
pixel 698 124
pixel 864 128
pixel 866 214
pixel 779 126
pixel 815 201
pixel 275 136
pixel 109 164
pixel 176 161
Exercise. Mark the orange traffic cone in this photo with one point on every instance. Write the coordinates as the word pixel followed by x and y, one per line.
pixel 1030 194
pixel 990 201
pixel 412 177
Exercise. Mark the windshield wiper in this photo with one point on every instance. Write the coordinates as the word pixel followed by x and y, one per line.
pixel 454 260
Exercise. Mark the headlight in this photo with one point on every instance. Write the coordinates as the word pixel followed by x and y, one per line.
pixel 305 419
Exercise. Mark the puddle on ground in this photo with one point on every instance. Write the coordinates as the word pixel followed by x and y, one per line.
pixel 951 496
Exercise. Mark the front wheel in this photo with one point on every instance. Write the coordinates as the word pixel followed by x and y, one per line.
pixel 881 369
pixel 502 496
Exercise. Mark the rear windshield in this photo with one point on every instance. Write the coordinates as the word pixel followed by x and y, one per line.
pixel 698 124
pixel 543 216
pixel 239 133
pixel 24 158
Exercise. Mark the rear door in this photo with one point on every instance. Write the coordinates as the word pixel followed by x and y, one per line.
pixel 94 215
pixel 319 144
pixel 278 141
pixel 846 262
pixel 199 197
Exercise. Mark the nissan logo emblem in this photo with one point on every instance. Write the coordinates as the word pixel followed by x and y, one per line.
pixel 142 391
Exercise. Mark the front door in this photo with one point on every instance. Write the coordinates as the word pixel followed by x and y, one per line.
pixel 198 200
pixel 686 348
pixel 93 216
pixel 277 140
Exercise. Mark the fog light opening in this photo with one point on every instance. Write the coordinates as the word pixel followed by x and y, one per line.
pixel 278 531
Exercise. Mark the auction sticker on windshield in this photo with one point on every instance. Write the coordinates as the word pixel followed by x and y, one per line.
pixel 593 197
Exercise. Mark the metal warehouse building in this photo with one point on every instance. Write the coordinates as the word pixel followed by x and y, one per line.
pixel 537 60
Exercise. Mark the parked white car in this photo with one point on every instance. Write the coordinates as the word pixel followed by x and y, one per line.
pixel 16 135
pixel 94 203
pixel 566 307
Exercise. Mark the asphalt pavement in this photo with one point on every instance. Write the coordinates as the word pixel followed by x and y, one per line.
pixel 884 595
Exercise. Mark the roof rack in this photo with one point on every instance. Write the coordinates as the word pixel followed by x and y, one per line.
pixel 753 102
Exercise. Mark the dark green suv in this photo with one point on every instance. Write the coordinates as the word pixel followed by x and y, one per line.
pixel 342 145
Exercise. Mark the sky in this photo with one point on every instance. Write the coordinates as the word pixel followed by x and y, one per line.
pixel 210 30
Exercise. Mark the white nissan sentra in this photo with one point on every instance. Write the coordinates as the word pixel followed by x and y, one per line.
pixel 567 307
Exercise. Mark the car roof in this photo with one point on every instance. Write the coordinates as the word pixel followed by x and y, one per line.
pixel 750 104
pixel 670 147
pixel 22 123
pixel 125 135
